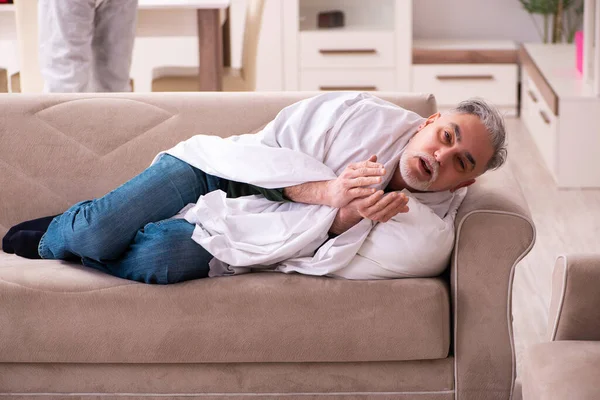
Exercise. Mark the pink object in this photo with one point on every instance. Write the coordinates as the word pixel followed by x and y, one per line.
pixel 579 47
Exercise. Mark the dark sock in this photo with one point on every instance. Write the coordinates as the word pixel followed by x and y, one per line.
pixel 38 224
pixel 6 246
pixel 25 243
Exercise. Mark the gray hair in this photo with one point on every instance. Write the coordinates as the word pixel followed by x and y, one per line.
pixel 491 118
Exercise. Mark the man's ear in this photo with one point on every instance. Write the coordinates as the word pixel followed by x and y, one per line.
pixel 429 120
pixel 462 185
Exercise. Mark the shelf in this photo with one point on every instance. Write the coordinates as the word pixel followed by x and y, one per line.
pixel 556 63
pixel 431 44
pixel 376 15
pixel 345 30
pixel 464 52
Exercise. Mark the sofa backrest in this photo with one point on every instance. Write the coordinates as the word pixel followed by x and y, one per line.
pixel 58 149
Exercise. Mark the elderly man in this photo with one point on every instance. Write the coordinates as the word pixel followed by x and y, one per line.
pixel 341 184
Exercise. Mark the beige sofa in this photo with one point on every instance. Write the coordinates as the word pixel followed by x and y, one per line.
pixel 71 332
pixel 568 365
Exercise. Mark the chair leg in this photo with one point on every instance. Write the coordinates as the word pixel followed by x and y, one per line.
pixel 15 83
pixel 3 81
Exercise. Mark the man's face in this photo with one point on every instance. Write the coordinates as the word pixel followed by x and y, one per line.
pixel 447 152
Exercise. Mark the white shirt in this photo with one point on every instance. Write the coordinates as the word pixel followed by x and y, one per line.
pixel 312 140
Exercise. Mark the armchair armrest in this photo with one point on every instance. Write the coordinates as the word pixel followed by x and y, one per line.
pixel 3 81
pixel 575 303
pixel 494 231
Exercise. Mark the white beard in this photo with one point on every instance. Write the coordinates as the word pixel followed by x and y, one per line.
pixel 410 178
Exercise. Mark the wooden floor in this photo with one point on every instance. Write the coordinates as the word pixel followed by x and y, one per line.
pixel 567 221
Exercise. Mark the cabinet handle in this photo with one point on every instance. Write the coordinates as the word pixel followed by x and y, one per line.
pixel 327 52
pixel 544 117
pixel 464 77
pixel 535 100
pixel 357 88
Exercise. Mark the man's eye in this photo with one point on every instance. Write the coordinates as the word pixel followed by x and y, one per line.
pixel 447 136
pixel 462 163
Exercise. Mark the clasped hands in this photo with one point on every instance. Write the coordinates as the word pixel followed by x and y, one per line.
pixel 350 192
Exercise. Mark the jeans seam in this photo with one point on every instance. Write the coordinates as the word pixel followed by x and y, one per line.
pixel 176 190
pixel 43 238
pixel 40 244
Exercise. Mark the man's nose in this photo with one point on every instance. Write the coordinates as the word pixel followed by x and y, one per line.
pixel 441 155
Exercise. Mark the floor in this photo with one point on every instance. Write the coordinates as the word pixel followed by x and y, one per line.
pixel 567 221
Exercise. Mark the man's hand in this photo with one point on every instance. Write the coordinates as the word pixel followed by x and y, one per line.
pixel 337 193
pixel 380 207
pixel 353 182
pixel 377 207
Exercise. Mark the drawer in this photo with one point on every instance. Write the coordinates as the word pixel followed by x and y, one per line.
pixel 347 49
pixel 452 83
pixel 533 95
pixel 534 75
pixel 540 122
pixel 355 79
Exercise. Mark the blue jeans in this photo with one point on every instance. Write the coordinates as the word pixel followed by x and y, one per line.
pixel 127 233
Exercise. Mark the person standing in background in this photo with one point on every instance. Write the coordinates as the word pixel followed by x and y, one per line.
pixel 86 45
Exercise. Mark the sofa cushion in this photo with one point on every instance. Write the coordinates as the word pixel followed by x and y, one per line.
pixel 55 311
pixel 562 370
pixel 398 380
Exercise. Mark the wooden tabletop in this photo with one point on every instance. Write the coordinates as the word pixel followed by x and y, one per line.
pixel 161 4
pixel 190 4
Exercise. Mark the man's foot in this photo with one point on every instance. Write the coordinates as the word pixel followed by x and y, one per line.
pixel 38 224
pixel 25 243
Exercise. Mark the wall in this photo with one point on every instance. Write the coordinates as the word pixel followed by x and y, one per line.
pixel 9 58
pixel 473 19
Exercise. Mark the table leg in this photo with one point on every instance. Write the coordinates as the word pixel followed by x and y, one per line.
pixel 3 81
pixel 227 40
pixel 210 42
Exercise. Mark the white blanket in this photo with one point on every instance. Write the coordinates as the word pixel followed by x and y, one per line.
pixel 315 140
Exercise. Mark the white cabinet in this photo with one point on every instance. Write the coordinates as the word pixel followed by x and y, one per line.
pixel 539 121
pixel 371 52
pixel 456 70
pixel 562 114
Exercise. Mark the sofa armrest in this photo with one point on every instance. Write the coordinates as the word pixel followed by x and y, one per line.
pixel 575 301
pixel 494 231
pixel 3 81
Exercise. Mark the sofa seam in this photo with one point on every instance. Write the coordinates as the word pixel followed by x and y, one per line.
pixel 60 103
pixel 63 292
pixel 446 328
pixel 509 297
pixel 561 301
pixel 34 182
pixel 269 394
